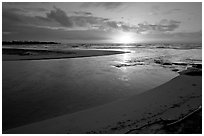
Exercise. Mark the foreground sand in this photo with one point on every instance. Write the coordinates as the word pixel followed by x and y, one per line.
pixel 166 103
pixel 12 54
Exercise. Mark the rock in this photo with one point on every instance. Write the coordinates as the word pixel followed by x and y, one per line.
pixel 191 72
pixel 197 66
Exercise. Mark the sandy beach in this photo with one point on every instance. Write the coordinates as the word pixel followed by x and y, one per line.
pixel 149 112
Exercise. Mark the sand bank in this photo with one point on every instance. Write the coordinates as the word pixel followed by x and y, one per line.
pixel 168 102
pixel 11 54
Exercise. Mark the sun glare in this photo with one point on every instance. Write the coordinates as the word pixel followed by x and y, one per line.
pixel 125 38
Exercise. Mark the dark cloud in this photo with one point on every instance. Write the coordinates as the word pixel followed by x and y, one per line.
pixel 100 23
pixel 43 18
pixel 127 28
pixel 12 19
pixel 10 16
pixel 16 10
pixel 26 9
pixel 35 9
pixel 83 13
pixel 112 24
pixel 60 16
pixel 83 21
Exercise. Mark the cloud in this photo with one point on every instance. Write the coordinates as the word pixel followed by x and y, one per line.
pixel 20 10
pixel 11 17
pixel 19 22
pixel 35 9
pixel 57 19
pixel 54 18
pixel 60 16
pixel 168 25
pixel 163 26
pixel 84 21
pixel 42 18
pixel 47 34
pixel 83 13
pixel 41 33
pixel 25 10
pixel 17 26
pixel 112 24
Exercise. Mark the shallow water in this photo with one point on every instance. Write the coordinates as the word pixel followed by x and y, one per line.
pixel 41 89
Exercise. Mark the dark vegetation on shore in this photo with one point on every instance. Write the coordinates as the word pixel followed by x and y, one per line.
pixel 24 52
pixel 26 42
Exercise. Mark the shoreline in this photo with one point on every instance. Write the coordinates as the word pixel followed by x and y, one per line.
pixel 179 97
pixel 15 54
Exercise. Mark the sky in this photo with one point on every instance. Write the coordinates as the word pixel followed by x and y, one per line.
pixel 112 22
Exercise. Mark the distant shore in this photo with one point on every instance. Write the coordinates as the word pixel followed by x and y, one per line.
pixel 149 112
pixel 12 54
pixel 26 42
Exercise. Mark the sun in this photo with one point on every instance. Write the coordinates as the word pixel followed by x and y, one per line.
pixel 124 38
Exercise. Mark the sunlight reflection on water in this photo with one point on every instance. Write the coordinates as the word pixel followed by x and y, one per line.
pixel 125 70
pixel 126 56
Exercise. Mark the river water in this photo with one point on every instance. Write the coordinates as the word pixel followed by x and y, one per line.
pixel 36 90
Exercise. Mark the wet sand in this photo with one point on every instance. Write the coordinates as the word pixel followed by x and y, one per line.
pixel 12 54
pixel 162 105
